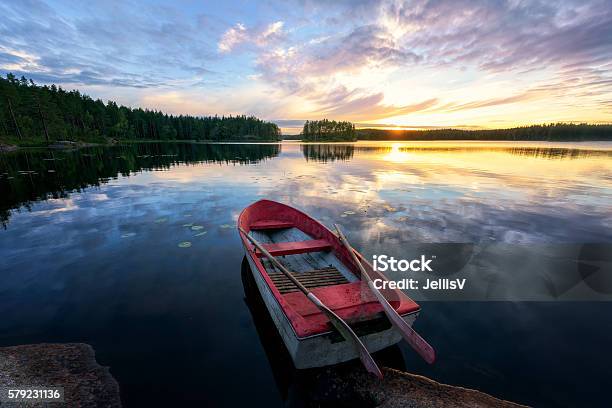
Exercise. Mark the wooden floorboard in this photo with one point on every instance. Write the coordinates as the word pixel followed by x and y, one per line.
pixel 311 279
pixel 312 269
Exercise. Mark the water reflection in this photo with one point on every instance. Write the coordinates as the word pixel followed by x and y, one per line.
pixel 328 152
pixel 400 151
pixel 541 152
pixel 426 192
pixel 32 175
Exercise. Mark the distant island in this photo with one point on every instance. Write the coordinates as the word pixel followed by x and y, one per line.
pixel 32 115
pixel 328 131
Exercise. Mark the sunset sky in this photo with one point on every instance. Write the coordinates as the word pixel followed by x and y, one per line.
pixel 377 63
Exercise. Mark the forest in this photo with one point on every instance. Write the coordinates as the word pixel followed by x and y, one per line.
pixel 328 131
pixel 549 132
pixel 31 114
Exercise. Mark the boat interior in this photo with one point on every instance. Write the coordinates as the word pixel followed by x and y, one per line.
pixel 310 260
pixel 315 264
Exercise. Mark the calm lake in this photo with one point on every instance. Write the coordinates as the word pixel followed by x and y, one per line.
pixel 133 249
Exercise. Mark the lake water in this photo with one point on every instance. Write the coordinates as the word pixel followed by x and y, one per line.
pixel 133 249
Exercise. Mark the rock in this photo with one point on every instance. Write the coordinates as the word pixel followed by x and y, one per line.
pixel 7 148
pixel 70 365
pixel 398 389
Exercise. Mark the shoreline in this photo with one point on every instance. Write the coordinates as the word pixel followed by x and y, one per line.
pixel 7 148
pixel 399 389
pixel 73 366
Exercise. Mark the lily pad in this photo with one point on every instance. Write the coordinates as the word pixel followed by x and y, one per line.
pixel 188 225
pixel 184 244
pixel 349 212
pixel 197 227
pixel 200 234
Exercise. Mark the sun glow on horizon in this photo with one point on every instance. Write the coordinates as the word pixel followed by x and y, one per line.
pixel 434 64
pixel 396 155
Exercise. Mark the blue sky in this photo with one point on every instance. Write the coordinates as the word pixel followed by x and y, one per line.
pixel 388 63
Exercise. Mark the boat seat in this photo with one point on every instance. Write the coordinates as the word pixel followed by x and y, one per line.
pixel 296 247
pixel 351 301
pixel 270 225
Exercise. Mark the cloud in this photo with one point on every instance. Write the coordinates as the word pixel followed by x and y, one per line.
pixel 522 97
pixel 232 37
pixel 310 70
pixel 373 107
pixel 18 60
pixel 503 35
pixel 271 31
pixel 289 122
pixel 565 46
pixel 360 60
pixel 409 127
pixel 145 46
pixel 239 34
pixel 366 46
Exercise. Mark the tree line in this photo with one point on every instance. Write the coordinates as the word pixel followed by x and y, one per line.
pixel 34 114
pixel 549 132
pixel 328 130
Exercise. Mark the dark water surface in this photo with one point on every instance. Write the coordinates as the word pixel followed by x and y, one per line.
pixel 133 250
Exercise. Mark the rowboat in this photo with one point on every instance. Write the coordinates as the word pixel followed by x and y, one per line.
pixel 300 388
pixel 318 290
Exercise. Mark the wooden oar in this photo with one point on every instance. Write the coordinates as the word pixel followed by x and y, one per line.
pixel 335 320
pixel 408 333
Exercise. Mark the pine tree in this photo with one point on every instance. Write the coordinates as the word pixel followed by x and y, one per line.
pixel 47 113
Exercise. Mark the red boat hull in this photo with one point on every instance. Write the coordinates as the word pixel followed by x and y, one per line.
pixel 352 301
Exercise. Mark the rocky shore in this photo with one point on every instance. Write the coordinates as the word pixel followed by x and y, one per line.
pixel 399 389
pixel 7 148
pixel 87 384
pixel 71 365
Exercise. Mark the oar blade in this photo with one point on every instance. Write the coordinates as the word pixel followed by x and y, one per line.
pixel 408 333
pixel 421 346
pixel 424 349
